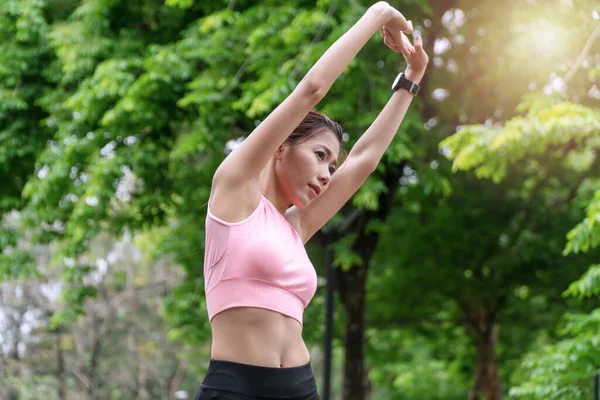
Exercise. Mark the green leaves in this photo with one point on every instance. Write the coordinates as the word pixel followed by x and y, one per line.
pixel 587 286
pixel 78 49
pixel 345 258
pixel 566 369
pixel 541 134
pixel 24 53
pixel 545 135
pixel 180 3
pixel 368 194
pixel 555 143
pixel 586 235
pixel 17 264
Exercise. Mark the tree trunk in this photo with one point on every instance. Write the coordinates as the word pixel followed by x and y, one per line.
pixel 142 385
pixel 487 380
pixel 352 290
pixel 14 356
pixel 354 282
pixel 60 371
pixel 93 377
pixel 176 379
pixel 78 371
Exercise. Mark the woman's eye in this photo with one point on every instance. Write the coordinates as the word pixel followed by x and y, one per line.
pixel 331 170
pixel 321 155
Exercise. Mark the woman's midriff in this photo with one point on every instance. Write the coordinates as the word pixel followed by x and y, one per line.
pixel 257 336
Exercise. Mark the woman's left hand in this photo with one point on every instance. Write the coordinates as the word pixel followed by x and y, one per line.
pixel 415 56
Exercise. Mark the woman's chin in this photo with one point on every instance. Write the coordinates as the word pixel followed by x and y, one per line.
pixel 302 201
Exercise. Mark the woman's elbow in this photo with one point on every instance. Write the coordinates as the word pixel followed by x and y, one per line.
pixel 311 88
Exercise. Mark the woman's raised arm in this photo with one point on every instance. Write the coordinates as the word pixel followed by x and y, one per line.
pixel 248 159
pixel 369 148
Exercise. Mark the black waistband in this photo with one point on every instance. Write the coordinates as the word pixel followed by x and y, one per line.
pixel 260 381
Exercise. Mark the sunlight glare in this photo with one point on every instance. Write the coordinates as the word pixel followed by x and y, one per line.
pixel 543 38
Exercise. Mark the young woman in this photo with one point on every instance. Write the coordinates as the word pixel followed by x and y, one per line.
pixel 269 196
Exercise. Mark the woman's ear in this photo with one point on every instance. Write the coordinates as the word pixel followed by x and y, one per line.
pixel 279 153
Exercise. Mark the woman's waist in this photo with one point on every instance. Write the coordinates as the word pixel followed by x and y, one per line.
pixel 260 353
pixel 258 337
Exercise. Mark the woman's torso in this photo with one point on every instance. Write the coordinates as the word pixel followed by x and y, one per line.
pixel 255 335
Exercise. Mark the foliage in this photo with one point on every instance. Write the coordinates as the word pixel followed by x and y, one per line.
pixel 119 349
pixel 559 140
pixel 115 114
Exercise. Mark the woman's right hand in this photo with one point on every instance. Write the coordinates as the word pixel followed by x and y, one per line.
pixel 394 25
pixel 403 46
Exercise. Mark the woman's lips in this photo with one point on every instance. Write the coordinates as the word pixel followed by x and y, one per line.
pixel 316 190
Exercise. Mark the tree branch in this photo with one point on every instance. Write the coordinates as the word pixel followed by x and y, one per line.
pixel 571 195
pixel 583 54
pixel 318 36
pixel 404 322
pixel 82 380
pixel 236 77
pixel 176 379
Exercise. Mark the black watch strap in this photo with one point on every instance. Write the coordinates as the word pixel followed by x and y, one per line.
pixel 402 83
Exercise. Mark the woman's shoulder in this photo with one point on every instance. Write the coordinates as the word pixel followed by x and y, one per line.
pixel 233 205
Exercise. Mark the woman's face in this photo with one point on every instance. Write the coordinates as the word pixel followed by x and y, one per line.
pixel 304 169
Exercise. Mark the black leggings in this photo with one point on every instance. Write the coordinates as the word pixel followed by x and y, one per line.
pixel 226 380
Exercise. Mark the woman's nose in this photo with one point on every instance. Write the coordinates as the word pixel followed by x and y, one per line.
pixel 324 177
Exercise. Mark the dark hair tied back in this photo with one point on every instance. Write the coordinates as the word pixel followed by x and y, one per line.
pixel 313 123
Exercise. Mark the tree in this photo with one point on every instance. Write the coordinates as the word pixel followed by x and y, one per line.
pixel 478 92
pixel 25 54
pixel 557 138
pixel 120 347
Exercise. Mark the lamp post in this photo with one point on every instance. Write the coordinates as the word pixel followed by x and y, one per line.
pixel 328 317
pixel 597 384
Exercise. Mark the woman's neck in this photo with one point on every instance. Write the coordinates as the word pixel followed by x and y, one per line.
pixel 270 188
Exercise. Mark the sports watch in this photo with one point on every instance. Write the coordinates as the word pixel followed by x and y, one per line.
pixel 402 83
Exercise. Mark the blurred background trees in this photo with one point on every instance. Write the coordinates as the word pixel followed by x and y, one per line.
pixel 466 266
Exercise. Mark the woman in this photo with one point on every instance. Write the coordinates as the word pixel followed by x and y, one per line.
pixel 269 196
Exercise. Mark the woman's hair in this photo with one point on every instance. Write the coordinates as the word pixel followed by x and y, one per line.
pixel 313 123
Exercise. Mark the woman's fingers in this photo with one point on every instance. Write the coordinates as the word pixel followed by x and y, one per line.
pixel 388 40
pixel 406 48
pixel 421 59
pixel 400 43
pixel 413 52
pixel 418 42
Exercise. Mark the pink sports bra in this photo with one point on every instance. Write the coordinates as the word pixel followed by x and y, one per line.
pixel 258 262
